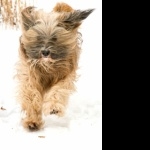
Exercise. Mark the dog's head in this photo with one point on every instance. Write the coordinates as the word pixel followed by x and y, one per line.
pixel 51 37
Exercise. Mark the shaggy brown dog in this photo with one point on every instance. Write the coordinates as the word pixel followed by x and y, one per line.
pixel 49 52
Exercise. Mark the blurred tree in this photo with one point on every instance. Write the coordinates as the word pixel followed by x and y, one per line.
pixel 10 11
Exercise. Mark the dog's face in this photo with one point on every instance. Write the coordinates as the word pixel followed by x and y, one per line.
pixel 50 36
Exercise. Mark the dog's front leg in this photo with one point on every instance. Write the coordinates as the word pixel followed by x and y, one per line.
pixel 31 101
pixel 56 99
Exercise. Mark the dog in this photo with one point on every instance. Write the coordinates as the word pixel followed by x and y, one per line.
pixel 49 50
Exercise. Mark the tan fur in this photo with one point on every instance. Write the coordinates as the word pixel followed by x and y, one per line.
pixel 60 7
pixel 46 83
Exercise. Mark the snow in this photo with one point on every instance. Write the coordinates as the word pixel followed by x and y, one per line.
pixel 81 127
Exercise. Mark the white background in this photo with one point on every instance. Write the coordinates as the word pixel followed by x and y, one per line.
pixel 81 127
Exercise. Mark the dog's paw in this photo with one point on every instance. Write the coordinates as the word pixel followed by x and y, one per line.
pixel 32 125
pixel 53 108
pixel 54 111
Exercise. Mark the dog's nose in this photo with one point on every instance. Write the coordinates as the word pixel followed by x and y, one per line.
pixel 45 52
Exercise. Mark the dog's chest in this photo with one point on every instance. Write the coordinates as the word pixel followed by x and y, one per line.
pixel 47 81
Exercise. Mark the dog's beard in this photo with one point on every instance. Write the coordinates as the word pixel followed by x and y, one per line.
pixel 47 59
pixel 45 64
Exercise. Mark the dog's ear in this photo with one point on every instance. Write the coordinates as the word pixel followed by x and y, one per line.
pixel 27 17
pixel 62 7
pixel 22 51
pixel 72 20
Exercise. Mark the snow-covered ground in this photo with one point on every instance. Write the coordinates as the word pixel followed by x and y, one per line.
pixel 81 127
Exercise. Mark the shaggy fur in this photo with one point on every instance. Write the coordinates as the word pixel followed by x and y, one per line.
pixel 49 52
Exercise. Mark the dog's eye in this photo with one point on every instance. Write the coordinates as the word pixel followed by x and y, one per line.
pixel 36 46
pixel 40 46
pixel 54 39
